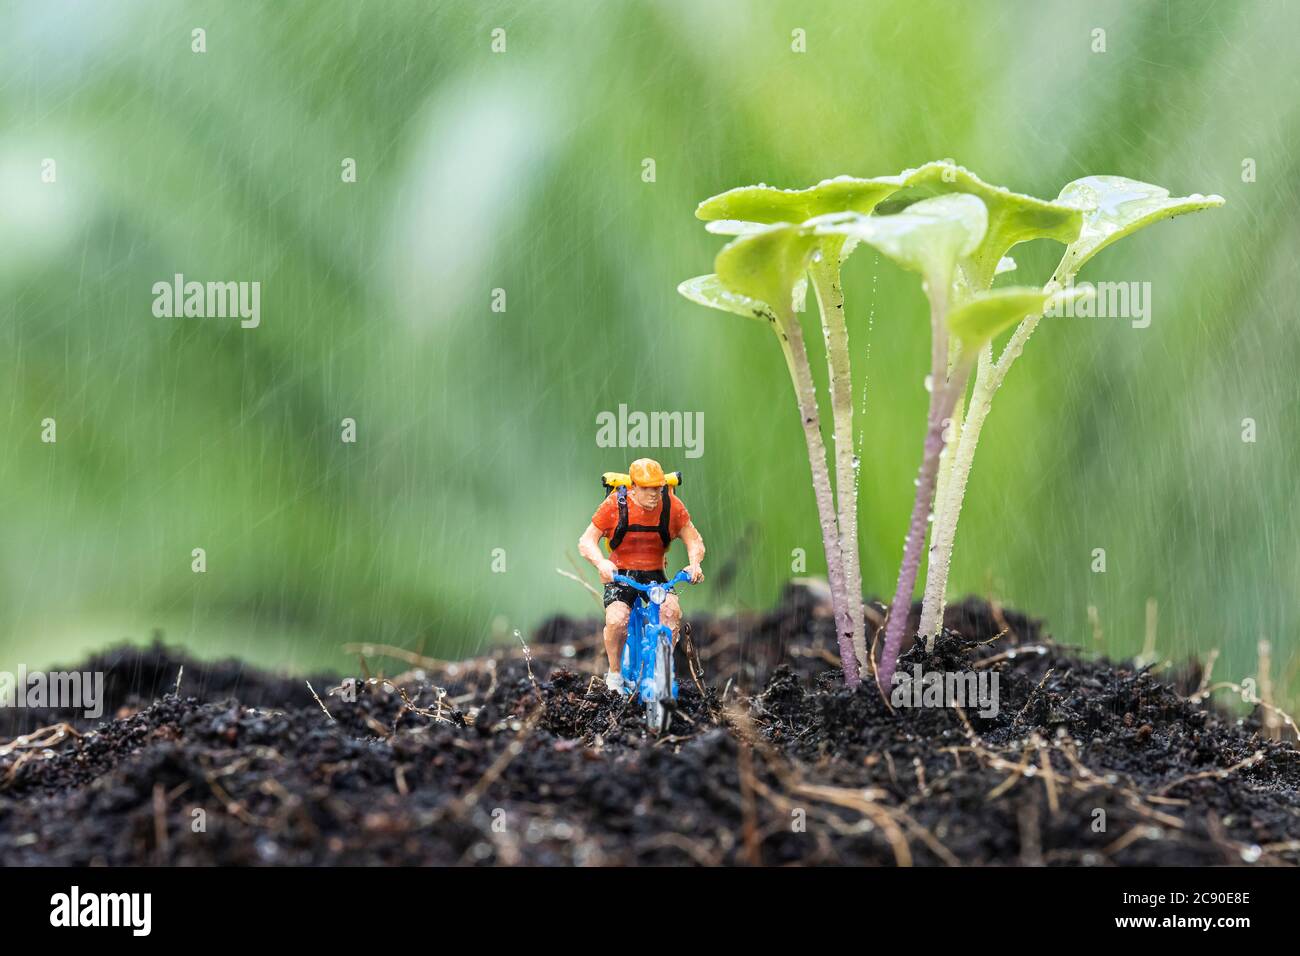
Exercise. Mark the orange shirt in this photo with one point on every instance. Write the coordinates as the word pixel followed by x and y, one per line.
pixel 640 550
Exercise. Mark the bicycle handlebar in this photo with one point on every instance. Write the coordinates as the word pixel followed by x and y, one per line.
pixel 681 577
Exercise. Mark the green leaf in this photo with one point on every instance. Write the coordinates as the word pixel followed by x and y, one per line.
pixel 928 237
pixel 734 227
pixel 1113 207
pixel 767 265
pixel 986 314
pixel 709 290
pixel 767 204
pixel 1012 217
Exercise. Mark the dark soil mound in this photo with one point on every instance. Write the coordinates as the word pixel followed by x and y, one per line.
pixel 503 759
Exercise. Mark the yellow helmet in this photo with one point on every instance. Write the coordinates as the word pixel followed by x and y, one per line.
pixel 647 473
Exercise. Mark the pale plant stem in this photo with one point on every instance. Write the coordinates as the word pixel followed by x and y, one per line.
pixel 945 390
pixel 796 358
pixel 830 299
pixel 947 510
pixel 949 447
pixel 946 456
pixel 988 380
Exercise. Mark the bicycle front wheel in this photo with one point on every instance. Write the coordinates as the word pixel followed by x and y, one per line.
pixel 658 712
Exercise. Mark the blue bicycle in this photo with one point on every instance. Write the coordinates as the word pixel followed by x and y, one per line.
pixel 648 651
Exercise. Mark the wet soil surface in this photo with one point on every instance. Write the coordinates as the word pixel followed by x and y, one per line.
pixel 515 758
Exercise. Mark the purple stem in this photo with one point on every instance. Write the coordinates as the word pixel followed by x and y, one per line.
pixel 942 403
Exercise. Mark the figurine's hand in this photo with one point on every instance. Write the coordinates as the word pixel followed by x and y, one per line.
pixel 607 570
pixel 696 574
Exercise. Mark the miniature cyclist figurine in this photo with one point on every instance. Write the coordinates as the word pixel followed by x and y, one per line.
pixel 640 518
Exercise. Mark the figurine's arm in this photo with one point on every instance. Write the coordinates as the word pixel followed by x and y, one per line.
pixel 589 548
pixel 690 536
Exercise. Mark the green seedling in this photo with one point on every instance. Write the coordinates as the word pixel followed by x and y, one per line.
pixel 753 211
pixel 955 231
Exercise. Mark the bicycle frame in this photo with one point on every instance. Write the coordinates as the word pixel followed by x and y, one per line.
pixel 644 633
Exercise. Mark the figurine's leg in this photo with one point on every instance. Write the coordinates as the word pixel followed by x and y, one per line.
pixel 616 615
pixel 670 614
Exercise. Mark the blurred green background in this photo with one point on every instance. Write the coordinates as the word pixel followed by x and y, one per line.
pixel 522 171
